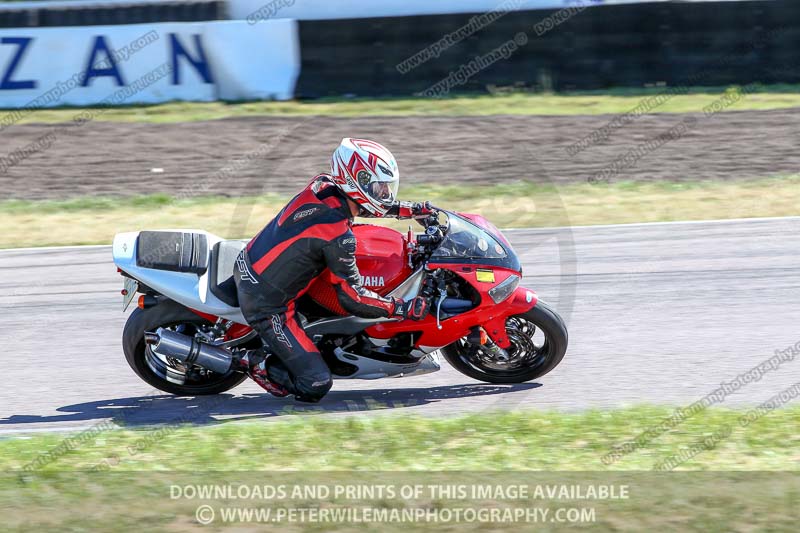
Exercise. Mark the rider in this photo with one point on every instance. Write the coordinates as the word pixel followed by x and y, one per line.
pixel 311 234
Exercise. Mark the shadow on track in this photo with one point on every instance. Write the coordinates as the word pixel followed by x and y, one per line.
pixel 167 409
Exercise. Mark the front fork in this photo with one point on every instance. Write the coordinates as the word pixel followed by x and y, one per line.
pixel 479 337
pixel 522 301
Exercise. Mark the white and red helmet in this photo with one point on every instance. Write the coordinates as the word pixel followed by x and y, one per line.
pixel 367 173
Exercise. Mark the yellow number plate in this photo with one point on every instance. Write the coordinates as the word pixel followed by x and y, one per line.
pixel 486 276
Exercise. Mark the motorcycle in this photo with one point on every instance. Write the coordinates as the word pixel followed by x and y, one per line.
pixel 187 328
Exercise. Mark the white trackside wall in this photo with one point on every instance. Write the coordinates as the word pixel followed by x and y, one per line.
pixel 344 9
pixel 148 63
pixel 254 10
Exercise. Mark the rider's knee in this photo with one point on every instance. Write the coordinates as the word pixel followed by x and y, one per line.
pixel 314 387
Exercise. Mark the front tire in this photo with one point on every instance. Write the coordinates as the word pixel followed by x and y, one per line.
pixel 529 356
pixel 160 373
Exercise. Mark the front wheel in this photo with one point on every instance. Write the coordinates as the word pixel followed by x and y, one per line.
pixel 165 373
pixel 538 343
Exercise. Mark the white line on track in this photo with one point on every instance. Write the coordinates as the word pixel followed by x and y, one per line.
pixel 65 429
pixel 668 223
pixel 57 248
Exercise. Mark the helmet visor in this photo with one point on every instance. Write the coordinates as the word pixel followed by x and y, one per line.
pixel 382 191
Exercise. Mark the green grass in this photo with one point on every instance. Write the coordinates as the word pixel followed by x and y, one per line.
pixel 499 103
pixel 520 204
pixel 521 440
pixel 126 480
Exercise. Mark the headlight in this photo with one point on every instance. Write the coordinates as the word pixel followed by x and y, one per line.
pixel 504 289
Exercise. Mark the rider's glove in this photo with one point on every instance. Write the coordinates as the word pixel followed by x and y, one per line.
pixel 421 209
pixel 414 309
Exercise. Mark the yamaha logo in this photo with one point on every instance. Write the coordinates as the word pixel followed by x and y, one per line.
pixel 373 281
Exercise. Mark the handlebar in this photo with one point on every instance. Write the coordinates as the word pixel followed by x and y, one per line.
pixel 428 239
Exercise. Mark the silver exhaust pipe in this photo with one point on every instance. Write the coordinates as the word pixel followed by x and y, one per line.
pixel 189 350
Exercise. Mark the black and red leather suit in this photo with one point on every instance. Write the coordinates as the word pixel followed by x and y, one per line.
pixel 311 234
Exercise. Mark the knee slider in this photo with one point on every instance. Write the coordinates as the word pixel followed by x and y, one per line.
pixel 313 388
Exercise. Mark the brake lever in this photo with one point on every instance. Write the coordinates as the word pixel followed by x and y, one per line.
pixel 430 219
pixel 442 296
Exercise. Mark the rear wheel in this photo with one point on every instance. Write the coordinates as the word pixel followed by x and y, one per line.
pixel 164 373
pixel 538 343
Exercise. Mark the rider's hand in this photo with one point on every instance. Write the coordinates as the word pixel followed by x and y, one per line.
pixel 415 309
pixel 421 209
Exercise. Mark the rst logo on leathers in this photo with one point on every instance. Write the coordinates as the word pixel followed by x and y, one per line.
pixel 304 213
pixel 244 272
pixel 373 281
pixel 277 328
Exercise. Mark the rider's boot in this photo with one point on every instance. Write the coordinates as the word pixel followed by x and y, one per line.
pixel 254 363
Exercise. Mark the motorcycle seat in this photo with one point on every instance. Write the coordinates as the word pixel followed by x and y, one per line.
pixel 220 274
pixel 175 251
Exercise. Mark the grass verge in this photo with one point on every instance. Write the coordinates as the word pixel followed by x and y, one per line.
pixel 511 103
pixel 157 479
pixel 96 220
pixel 497 441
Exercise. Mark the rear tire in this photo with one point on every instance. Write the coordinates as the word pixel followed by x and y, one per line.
pixel 166 314
pixel 535 360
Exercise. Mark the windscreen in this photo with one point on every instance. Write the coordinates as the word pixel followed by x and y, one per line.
pixel 465 240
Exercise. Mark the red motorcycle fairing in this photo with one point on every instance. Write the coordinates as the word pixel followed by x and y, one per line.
pixel 381 257
pixel 491 316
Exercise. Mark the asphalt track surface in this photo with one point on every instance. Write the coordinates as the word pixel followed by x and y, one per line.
pixel 657 313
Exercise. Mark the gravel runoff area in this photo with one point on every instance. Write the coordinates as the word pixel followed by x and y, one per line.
pixel 239 157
